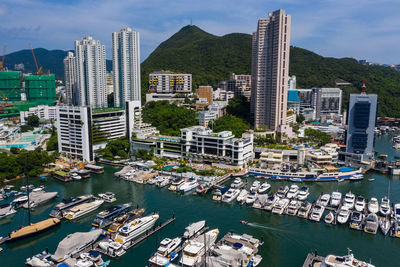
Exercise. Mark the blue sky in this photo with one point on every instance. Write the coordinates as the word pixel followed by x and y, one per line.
pixel 365 29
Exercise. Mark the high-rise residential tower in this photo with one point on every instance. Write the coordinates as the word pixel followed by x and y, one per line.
pixel 90 57
pixel 270 70
pixel 126 66
pixel 70 79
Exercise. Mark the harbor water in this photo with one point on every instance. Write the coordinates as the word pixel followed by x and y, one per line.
pixel 287 239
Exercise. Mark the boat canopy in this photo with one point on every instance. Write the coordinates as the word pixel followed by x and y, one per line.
pixel 346 169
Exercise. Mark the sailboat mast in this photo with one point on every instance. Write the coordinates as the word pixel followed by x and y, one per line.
pixel 27 190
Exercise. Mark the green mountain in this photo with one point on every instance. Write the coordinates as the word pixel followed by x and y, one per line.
pixel 50 60
pixel 212 58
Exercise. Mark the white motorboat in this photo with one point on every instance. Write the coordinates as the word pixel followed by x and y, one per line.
pixel 304 210
pixel 385 224
pixel 356 220
pixel 25 188
pixel 260 201
pixel 282 191
pixel 293 207
pixel 167 246
pixel 242 196
pixel 135 228
pixel 336 197
pixel 112 247
pixel 163 181
pixel 293 191
pixel 193 229
pixel 270 202
pixel 189 185
pixel 360 204
pixel 264 188
pixel 175 185
pixel 40 188
pixel 254 187
pixel 344 261
pixel 280 206
pixel 230 195
pixel 251 198
pixel 349 200
pixel 6 210
pixel 317 213
pixel 371 223
pixel 356 177
pixel 82 209
pixel 76 176
pixel 237 183
pixel 65 204
pixel 324 200
pixel 397 211
pixel 108 197
pixel 343 215
pixel 195 249
pixel 329 217
pixel 303 193
pixel 385 208
pixel 373 205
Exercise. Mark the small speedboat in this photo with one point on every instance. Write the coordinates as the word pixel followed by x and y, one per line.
pixel 76 176
pixel 360 203
pixel 329 217
pixel 108 197
pixel 244 222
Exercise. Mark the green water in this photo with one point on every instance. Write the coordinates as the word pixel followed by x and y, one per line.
pixel 287 239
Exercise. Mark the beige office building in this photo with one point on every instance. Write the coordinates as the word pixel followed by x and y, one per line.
pixel 270 70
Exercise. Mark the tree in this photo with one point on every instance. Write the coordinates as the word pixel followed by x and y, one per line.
pixel 110 99
pixel 239 107
pixel 32 121
pixel 25 128
pixel 119 147
pixel 52 143
pixel 230 123
pixel 300 118
pixel 319 137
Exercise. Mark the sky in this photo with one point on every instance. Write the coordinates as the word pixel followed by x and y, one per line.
pixel 365 29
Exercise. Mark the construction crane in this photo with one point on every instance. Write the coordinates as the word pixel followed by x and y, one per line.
pixel 3 58
pixel 5 97
pixel 39 70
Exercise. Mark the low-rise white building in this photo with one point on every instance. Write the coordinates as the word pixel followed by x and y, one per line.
pixel 44 112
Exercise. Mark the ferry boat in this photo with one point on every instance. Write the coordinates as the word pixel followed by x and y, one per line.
pixel 135 228
pixel 107 216
pixel 122 219
pixel 343 173
pixel 58 211
pixel 82 209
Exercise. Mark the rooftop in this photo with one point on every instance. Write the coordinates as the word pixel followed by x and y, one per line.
pixel 105 110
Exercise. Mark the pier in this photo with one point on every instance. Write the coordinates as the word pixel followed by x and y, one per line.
pixel 313 258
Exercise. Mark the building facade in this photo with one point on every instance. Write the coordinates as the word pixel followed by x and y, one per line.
pixel 326 102
pixel 164 82
pixel 71 97
pixel 270 70
pixel 90 57
pixel 42 111
pixel 126 66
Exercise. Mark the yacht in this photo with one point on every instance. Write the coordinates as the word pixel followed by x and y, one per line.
pixel 107 216
pixel 26 188
pixel 373 205
pixel 282 191
pixel 317 213
pixel 108 197
pixel 254 187
pixel 324 200
pixel 175 185
pixel 344 261
pixel 385 208
pixel 157 260
pixel 343 215
pixel 349 200
pixel 260 201
pixel 356 177
pixel 122 219
pixel 397 211
pixel 163 181
pixel 360 204
pixel 237 183
pixel 6 210
pixel 58 211
pixel 385 224
pixel 293 207
pixel 336 197
pixel 167 246
pixel 371 223
pixel 195 249
pixel 39 197
pixel 293 191
pixel 242 196
pixel 251 198
pixel 329 217
pixel 270 202
pixel 264 188
pixel 280 206
pixel 304 210
pixel 82 209
pixel 193 229
pixel 230 195
pixel 112 247
pixel 356 220
pixel 303 193
pixel 189 185
pixel 76 176
pixel 75 243
pixel 135 228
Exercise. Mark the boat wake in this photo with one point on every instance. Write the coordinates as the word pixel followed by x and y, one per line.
pixel 267 227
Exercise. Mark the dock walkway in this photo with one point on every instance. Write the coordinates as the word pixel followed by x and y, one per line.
pixel 311 259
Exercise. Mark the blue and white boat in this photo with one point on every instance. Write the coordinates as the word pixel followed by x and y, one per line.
pixel 107 216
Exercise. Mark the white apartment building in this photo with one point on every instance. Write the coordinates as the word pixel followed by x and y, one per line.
pixel 126 66
pixel 44 112
pixel 270 70
pixel 90 57
pixel 108 124
pixel 71 97
pixel 164 82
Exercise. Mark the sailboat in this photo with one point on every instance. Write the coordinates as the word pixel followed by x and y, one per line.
pixel 32 228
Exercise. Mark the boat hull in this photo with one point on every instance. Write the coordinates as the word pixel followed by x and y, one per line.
pixel 54 223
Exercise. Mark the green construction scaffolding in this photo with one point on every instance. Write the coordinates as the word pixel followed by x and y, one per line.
pixel 41 89
pixel 10 86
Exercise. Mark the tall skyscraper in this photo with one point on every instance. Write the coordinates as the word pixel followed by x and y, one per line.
pixel 70 79
pixel 126 66
pixel 270 70
pixel 90 57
